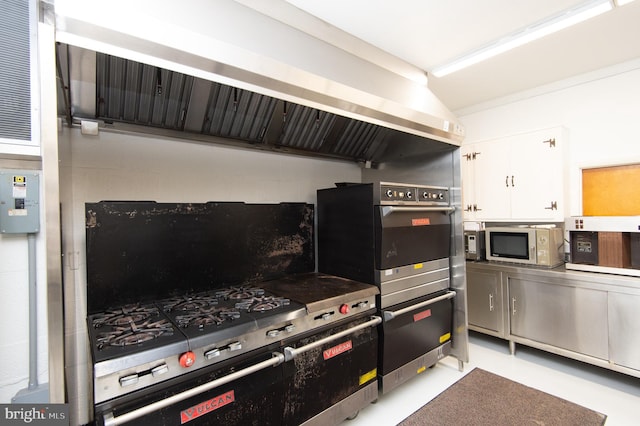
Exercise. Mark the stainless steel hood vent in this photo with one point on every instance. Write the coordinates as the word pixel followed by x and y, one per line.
pixel 270 48
pixel 147 96
pixel 305 127
pixel 325 133
pixel 235 113
pixel 135 93
pixel 360 139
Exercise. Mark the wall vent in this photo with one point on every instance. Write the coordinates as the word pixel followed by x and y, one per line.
pixel 15 72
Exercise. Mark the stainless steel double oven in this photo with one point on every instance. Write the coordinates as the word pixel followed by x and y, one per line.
pixel 398 237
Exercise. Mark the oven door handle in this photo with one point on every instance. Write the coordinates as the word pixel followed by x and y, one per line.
pixel 387 210
pixel 109 420
pixel 290 353
pixel 389 315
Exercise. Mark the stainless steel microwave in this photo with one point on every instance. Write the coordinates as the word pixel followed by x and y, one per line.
pixel 541 245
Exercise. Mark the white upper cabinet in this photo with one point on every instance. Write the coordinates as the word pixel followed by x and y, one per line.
pixel 516 178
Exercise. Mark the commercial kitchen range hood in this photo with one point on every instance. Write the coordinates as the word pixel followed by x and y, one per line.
pixel 128 95
pixel 331 96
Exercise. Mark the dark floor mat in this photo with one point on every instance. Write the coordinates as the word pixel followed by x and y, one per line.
pixel 483 398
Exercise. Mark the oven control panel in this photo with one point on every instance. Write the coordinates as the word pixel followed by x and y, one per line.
pixel 437 195
pixel 338 312
pixel 391 193
pixel 397 193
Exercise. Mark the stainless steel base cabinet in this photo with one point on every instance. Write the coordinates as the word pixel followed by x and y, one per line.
pixel 624 327
pixel 591 317
pixel 485 302
pixel 566 317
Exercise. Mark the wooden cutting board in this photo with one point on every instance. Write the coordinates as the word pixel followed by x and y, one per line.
pixel 611 191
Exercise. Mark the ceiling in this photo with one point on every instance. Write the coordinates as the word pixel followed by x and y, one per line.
pixel 428 33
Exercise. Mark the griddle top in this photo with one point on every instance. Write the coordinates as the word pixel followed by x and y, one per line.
pixel 319 291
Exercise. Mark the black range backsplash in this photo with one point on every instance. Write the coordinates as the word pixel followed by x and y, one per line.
pixel 145 251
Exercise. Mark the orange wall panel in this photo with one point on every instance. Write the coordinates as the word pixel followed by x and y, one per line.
pixel 611 191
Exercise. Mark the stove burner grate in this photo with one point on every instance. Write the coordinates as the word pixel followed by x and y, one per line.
pixel 189 303
pixel 207 316
pixel 262 303
pixel 238 293
pixel 125 315
pixel 134 333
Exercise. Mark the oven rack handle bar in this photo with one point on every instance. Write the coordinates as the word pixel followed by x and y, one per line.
pixel 387 210
pixel 290 353
pixel 109 420
pixel 389 315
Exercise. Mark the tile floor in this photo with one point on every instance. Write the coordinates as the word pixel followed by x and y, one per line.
pixel 614 394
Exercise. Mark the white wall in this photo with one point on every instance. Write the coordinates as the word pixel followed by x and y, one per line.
pixel 114 166
pixel 14 312
pixel 601 112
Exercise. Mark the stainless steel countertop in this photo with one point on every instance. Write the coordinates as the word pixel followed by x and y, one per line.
pixel 561 275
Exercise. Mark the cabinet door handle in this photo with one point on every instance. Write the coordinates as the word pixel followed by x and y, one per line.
pixel 553 206
pixel 506 181
pixel 551 142
pixel 513 305
pixel 490 302
pixel 512 182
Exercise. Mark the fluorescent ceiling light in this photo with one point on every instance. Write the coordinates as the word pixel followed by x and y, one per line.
pixel 622 2
pixel 538 30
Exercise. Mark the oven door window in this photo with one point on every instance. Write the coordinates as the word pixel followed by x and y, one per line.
pixel 406 236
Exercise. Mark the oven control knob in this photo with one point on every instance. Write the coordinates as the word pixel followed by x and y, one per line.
pixel 161 369
pixel 389 193
pixel 235 346
pixel 289 328
pixel 129 380
pixel 344 309
pixel 326 316
pixel 187 359
pixel 212 353
pixel 273 333
pixel 409 195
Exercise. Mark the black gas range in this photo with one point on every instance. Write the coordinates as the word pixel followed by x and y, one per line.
pixel 167 362
pixel 138 345
pixel 173 342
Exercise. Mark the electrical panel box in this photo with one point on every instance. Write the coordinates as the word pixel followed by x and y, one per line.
pixel 19 201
